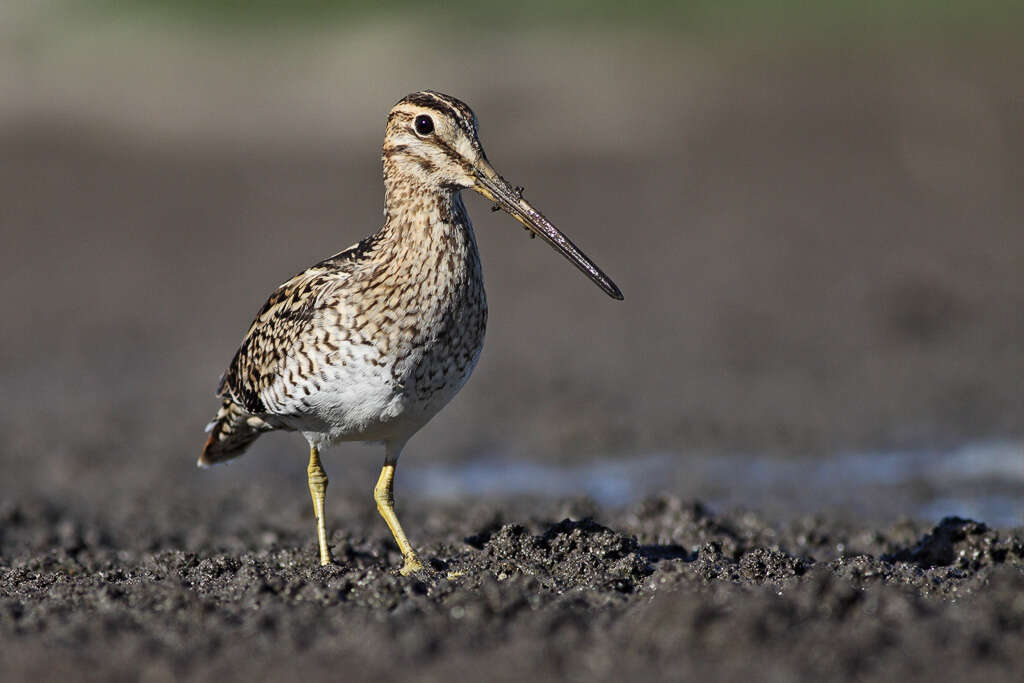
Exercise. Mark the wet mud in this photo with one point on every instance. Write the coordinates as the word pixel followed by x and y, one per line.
pixel 665 589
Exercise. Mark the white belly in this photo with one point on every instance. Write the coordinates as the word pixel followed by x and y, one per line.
pixel 364 397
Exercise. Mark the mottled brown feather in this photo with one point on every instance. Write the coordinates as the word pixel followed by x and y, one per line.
pixel 408 300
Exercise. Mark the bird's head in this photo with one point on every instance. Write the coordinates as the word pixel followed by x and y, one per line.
pixel 431 144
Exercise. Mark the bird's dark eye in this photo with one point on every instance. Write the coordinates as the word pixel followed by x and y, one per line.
pixel 424 125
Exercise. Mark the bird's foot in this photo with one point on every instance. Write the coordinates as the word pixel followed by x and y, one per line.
pixel 412 565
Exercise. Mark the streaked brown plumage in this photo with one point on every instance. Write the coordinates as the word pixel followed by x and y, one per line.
pixel 371 343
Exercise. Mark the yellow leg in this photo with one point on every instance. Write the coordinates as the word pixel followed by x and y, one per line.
pixel 384 494
pixel 318 490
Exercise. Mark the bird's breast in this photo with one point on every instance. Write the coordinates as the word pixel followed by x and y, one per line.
pixel 401 344
pixel 439 339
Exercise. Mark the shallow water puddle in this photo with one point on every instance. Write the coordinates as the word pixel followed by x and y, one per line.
pixel 983 480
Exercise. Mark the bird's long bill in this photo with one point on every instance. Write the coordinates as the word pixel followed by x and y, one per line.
pixel 497 189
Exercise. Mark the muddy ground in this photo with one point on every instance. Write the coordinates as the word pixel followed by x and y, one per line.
pixel 819 250
pixel 663 590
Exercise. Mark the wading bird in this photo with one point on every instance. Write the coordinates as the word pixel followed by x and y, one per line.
pixel 371 343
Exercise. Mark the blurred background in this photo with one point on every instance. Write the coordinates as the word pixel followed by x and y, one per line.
pixel 815 213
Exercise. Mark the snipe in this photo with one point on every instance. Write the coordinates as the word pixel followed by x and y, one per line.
pixel 371 343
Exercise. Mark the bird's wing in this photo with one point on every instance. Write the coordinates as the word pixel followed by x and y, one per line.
pixel 276 344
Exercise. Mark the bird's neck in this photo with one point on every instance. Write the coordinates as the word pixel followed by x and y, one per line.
pixel 428 239
pixel 432 217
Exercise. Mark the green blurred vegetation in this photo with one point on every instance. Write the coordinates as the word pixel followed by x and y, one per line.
pixel 692 15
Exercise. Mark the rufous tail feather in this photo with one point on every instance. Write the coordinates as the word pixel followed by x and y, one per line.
pixel 231 433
